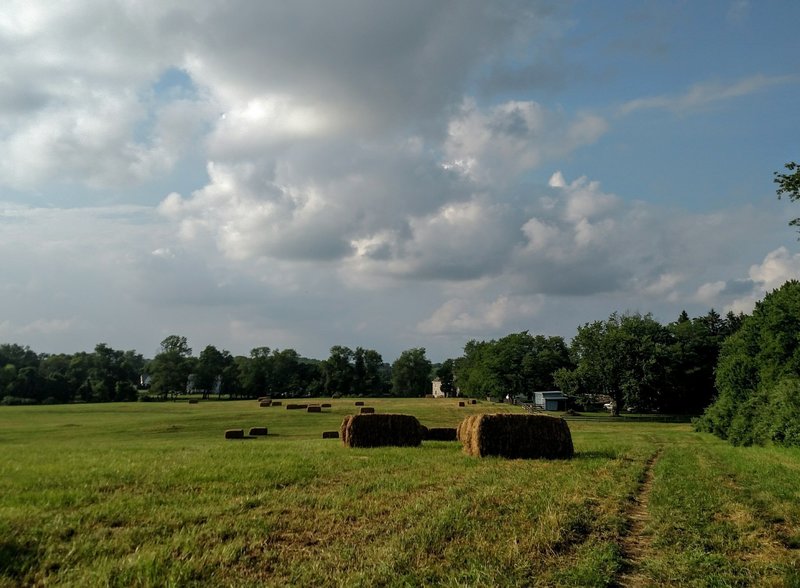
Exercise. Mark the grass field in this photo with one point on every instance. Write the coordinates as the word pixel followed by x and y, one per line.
pixel 152 495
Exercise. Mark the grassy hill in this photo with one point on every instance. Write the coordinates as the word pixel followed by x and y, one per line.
pixel 152 495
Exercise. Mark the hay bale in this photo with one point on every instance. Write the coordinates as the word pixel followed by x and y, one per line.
pixel 367 410
pixel 379 430
pixel 441 434
pixel 359 403
pixel 462 404
pixel 473 401
pixel 314 409
pixel 276 403
pixel 330 434
pixel 234 434
pixel 326 405
pixel 193 401
pixel 264 398
pixel 296 406
pixel 265 403
pixel 516 436
pixel 257 431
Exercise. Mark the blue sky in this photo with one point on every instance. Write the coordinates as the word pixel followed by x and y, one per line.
pixel 388 175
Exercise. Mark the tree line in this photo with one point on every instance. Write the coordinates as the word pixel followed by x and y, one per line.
pixel 631 359
pixel 109 375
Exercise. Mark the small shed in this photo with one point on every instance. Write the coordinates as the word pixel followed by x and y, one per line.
pixel 550 400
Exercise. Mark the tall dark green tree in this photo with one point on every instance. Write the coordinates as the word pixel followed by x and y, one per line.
pixel 758 375
pixel 171 366
pixel 338 371
pixel 411 373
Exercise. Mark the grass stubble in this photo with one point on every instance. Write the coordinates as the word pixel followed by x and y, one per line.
pixel 152 495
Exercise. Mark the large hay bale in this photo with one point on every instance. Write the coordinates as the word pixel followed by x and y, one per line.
pixel 234 434
pixel 367 410
pixel 314 409
pixel 257 431
pixel 378 430
pixel 359 403
pixel 441 434
pixel 516 436
pixel 330 434
pixel 265 403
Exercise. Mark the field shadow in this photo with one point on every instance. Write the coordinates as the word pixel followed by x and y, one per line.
pixel 605 454
pixel 15 559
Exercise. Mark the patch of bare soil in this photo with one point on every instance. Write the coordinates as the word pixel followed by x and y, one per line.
pixel 635 543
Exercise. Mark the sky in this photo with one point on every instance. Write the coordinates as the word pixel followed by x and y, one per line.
pixel 387 174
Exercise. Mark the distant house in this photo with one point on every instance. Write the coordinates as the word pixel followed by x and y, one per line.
pixel 436 386
pixel 550 400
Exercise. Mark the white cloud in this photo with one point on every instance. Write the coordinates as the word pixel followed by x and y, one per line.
pixel 705 94
pixel 460 316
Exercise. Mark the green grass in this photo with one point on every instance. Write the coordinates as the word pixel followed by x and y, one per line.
pixel 151 494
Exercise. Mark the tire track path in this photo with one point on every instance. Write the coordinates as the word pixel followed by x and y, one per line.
pixel 635 543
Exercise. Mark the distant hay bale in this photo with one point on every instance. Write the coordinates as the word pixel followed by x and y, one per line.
pixel 276 403
pixel 314 409
pixel 330 434
pixel 379 430
pixel 265 403
pixel 296 406
pixel 359 403
pixel 257 431
pixel 516 436
pixel 461 404
pixel 441 434
pixel 193 401
pixel 367 410
pixel 473 401
pixel 234 434
pixel 326 405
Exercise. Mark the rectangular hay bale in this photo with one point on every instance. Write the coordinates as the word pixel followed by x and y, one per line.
pixel 330 434
pixel 265 403
pixel 359 403
pixel 314 409
pixel 234 434
pixel 257 431
pixel 380 430
pixel 367 410
pixel 516 436
pixel 276 403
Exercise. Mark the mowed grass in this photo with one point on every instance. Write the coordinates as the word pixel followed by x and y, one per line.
pixel 152 495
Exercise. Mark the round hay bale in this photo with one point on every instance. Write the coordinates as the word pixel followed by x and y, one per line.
pixel 264 398
pixel 257 431
pixel 441 434
pixel 473 401
pixel 367 410
pixel 516 436
pixel 314 409
pixel 462 404
pixel 359 403
pixel 234 434
pixel 276 403
pixel 380 430
pixel 330 434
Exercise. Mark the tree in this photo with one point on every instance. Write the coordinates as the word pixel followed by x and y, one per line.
pixel 624 357
pixel 171 367
pixel 446 377
pixel 789 185
pixel 758 375
pixel 411 373
pixel 208 370
pixel 338 371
